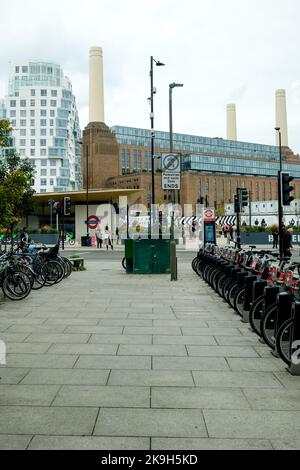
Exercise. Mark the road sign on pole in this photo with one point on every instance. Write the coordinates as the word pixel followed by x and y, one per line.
pixel 170 181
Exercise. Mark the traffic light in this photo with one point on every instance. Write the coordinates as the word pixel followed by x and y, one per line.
pixel 286 189
pixel 244 197
pixel 237 207
pixel 57 207
pixel 67 206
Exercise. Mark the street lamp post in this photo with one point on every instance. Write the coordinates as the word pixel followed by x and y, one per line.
pixel 171 86
pixel 152 92
pixel 280 211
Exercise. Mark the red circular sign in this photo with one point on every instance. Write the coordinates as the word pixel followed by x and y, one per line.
pixel 208 213
pixel 93 221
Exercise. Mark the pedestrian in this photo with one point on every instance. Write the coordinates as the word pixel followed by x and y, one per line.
pixel 99 236
pixel 275 237
pixel 287 241
pixel 117 235
pixel 231 232
pixel 107 238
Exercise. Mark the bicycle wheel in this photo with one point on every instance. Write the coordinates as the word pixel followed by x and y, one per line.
pixel 55 273
pixel 283 340
pixel 194 263
pixel 267 326
pixel 231 294
pixel 238 301
pixel 220 283
pixel 68 268
pixel 256 313
pixel 226 286
pixel 71 241
pixel 16 285
pixel 199 268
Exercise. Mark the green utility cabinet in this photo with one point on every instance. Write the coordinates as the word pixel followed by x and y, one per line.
pixel 147 256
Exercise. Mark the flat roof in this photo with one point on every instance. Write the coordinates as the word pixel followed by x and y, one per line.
pixel 95 195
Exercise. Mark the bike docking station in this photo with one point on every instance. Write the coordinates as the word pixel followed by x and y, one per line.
pixel 248 283
pixel 284 308
pixel 294 368
pixel 258 290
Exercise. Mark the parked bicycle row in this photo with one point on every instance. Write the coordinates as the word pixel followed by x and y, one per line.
pixel 23 270
pixel 261 287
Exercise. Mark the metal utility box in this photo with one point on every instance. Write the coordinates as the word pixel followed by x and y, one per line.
pixel 147 256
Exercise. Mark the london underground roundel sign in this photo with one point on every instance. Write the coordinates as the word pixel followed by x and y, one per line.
pixel 93 221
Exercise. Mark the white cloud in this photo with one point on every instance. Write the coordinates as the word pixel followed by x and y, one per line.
pixel 238 50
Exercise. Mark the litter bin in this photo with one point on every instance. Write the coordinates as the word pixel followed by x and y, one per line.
pixel 86 241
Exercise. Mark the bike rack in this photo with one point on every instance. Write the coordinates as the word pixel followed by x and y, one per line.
pixel 284 302
pixel 249 281
pixel 270 295
pixel 294 368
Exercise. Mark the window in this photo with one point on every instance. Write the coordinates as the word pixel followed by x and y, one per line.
pixel 207 190
pixel 54 93
pixel 22 132
pixel 43 182
pixel 43 102
pixel 44 112
pixel 51 132
pixel 23 113
pixel 13 113
pixel 32 143
pixel 32 113
pixel 13 123
pixel 43 131
pixel 32 132
pixel 32 152
pixel 44 172
pixel 32 122
pixel 43 152
pixel 23 103
pixel 43 122
pixel 51 181
pixel 32 102
pixel 52 162
pixel 23 122
pixel 43 162
pixel 22 152
pixel 23 142
pixel 52 172
pixel 43 142
pixel 43 92
pixel 32 92
pixel 17 69
pixel 24 69
pixel 13 103
pixel 53 103
pixel 51 122
pixel 52 112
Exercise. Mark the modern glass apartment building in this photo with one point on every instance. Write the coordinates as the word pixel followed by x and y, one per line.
pixel 42 110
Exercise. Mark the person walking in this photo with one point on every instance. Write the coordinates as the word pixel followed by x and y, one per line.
pixel 275 237
pixel 99 237
pixel 117 235
pixel 107 238
pixel 287 241
pixel 24 239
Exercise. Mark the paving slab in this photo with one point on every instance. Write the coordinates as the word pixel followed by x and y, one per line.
pixel 222 351
pixel 66 377
pixel 252 424
pixel 121 339
pixel 155 330
pixel 255 364
pixel 13 442
pixel 198 340
pixel 267 399
pixel 47 420
pixel 100 330
pixel 151 378
pixel 80 348
pixel 33 395
pixel 288 444
pixel 57 338
pixel 150 422
pixel 190 363
pixel 113 362
pixel 88 443
pixel 26 348
pixel 210 331
pixel 236 379
pixel 152 350
pixel 198 398
pixel 12 375
pixel 55 361
pixel 158 443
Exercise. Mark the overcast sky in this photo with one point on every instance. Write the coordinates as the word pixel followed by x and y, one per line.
pixel 237 51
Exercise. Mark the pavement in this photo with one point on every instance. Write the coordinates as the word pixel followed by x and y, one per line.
pixel 107 360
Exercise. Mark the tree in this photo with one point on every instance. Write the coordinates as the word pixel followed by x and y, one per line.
pixel 16 192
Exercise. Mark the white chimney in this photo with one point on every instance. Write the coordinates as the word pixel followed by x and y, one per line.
pixel 96 85
pixel 281 118
pixel 231 122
